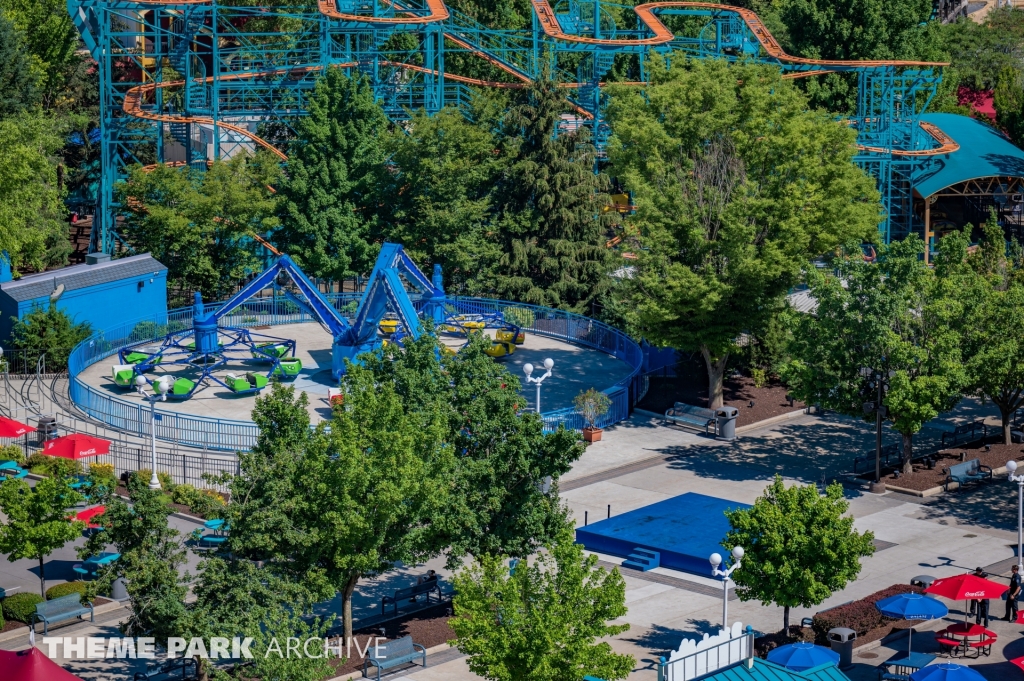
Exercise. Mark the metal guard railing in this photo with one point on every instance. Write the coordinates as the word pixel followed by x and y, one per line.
pixel 229 435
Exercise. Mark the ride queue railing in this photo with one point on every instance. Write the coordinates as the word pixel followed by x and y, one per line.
pixel 230 435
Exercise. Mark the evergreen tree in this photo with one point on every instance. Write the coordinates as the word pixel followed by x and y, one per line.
pixel 51 331
pixel 547 204
pixel 335 180
pixel 1008 101
pixel 17 82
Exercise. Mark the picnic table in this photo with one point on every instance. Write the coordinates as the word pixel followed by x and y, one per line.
pixel 904 663
pixel 96 562
pixel 88 514
pixel 217 525
pixel 962 634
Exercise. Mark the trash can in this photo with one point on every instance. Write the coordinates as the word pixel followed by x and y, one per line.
pixel 46 430
pixel 727 423
pixel 119 590
pixel 841 639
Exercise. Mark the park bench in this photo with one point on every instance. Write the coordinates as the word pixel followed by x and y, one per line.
pixel 60 609
pixel 967 432
pixel 428 587
pixel 393 653
pixel 187 667
pixel 968 471
pixel 888 452
pixel 689 415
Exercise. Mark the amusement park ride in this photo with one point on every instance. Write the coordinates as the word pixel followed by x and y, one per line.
pixel 208 74
pixel 209 347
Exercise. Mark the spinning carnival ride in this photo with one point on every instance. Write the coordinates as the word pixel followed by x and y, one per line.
pixel 188 81
pixel 208 347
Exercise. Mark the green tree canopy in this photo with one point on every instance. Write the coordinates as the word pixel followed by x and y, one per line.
pixel 199 223
pixel 32 227
pixel 49 330
pixel 50 41
pixel 541 623
pixel 336 180
pixel 37 523
pixel 800 547
pixel 891 318
pixel 738 185
pixel 18 83
pixel 547 202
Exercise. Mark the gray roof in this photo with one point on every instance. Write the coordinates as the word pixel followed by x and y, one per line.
pixel 42 284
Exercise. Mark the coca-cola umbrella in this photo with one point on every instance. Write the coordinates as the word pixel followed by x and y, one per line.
pixel 966 587
pixel 32 665
pixel 76 446
pixel 12 428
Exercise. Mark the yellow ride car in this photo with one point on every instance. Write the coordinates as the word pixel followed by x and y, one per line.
pixel 500 349
pixel 509 336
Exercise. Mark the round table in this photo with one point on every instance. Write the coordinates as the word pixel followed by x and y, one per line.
pixel 965 631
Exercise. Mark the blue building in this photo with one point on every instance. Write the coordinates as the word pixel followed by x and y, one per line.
pixel 103 292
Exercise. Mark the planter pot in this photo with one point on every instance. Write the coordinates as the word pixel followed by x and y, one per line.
pixel 592 434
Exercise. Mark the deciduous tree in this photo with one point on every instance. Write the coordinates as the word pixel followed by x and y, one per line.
pixel 800 546
pixel 37 523
pixel 51 331
pixel 542 621
pixel 18 84
pixel 738 185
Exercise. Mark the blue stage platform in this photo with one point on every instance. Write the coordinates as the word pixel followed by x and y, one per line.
pixel 685 530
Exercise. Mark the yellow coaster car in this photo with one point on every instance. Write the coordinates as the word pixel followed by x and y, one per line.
pixel 510 336
pixel 499 349
pixel 388 326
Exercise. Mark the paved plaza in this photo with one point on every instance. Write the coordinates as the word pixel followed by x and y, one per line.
pixel 576 369
pixel 641 461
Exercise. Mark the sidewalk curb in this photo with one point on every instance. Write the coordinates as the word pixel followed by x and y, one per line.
pixel 750 426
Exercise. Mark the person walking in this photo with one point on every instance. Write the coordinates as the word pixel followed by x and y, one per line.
pixel 1012 594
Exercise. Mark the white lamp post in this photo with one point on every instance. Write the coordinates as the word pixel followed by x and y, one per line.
pixel 163 387
pixel 528 370
pixel 1011 468
pixel 716 560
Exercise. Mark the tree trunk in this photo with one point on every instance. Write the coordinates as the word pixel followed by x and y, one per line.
pixel 908 452
pixel 204 668
pixel 785 620
pixel 1006 416
pixel 346 607
pixel 716 374
pixel 42 578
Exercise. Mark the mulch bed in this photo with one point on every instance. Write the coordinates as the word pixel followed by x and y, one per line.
pixel 10 626
pixel 739 392
pixel 427 627
pixel 924 478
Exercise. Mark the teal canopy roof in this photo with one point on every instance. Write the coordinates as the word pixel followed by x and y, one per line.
pixel 983 153
pixel 764 670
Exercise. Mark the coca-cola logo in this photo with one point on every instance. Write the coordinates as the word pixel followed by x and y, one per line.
pixel 20 431
pixel 974 594
pixel 87 451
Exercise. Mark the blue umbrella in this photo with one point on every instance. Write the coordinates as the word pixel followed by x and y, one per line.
pixel 798 657
pixel 946 672
pixel 911 607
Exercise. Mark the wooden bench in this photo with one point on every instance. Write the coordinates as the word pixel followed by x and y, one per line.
pixel 187 666
pixel 689 415
pixel 394 653
pixel 968 471
pixel 428 587
pixel 888 451
pixel 966 433
pixel 60 609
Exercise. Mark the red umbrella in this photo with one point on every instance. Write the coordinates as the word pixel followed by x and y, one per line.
pixel 12 428
pixel 32 665
pixel 964 587
pixel 76 446
pixel 90 513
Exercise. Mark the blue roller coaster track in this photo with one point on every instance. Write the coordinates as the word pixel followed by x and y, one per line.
pixel 189 81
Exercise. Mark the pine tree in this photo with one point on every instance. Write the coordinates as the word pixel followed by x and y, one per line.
pixel 336 176
pixel 548 206
pixel 17 83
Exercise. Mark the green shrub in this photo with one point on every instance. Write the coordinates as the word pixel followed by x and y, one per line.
pixel 12 453
pixel 53 466
pixel 591 404
pixel 520 316
pixel 760 377
pixel 102 471
pixel 21 607
pixel 49 330
pixel 200 501
pixel 148 330
pixel 67 589
pixel 166 481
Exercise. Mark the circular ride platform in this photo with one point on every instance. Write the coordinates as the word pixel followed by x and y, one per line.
pixel 576 369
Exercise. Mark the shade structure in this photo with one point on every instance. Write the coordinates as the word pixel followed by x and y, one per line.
pixel 32 665
pixel 966 587
pixel 12 428
pixel 946 672
pixel 911 607
pixel 801 656
pixel 76 446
